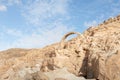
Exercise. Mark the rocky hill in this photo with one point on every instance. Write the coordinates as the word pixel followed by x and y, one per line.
pixel 93 55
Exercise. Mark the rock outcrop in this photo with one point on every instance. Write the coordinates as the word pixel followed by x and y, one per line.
pixel 91 55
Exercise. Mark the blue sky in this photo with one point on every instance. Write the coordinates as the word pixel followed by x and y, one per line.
pixel 36 23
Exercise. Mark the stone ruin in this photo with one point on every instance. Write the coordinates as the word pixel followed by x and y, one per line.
pixel 93 55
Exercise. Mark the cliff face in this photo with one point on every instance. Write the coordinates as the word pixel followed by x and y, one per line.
pixel 92 55
pixel 104 46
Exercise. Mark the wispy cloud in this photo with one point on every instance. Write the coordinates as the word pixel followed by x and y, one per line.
pixel 41 12
pixel 4 4
pixel 109 8
pixel 38 39
pixel 14 32
pixel 48 18
pixel 12 2
pixel 90 23
pixel 95 22
pixel 3 8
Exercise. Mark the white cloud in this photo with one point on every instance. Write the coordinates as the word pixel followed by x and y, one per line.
pixel 99 19
pixel 109 8
pixel 11 2
pixel 40 11
pixel 14 32
pixel 6 3
pixel 40 38
pixel 3 8
pixel 48 16
pixel 95 22
pixel 90 23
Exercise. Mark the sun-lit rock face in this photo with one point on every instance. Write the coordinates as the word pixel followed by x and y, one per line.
pixel 103 49
pixel 92 55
